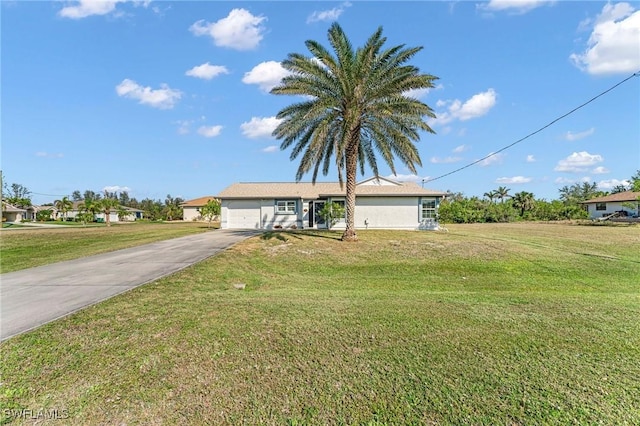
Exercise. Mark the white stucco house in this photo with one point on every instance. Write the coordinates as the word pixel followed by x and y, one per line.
pixel 11 213
pixel 381 203
pixel 191 208
pixel 609 204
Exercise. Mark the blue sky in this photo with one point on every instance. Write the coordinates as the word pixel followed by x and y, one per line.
pixel 157 97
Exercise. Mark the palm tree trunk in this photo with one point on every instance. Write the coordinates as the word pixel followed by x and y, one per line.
pixel 350 201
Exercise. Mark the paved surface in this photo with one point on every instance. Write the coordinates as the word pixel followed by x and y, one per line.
pixel 36 296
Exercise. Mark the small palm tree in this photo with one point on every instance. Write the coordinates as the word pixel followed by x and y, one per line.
pixel 357 104
pixel 524 201
pixel 105 205
pixel 88 208
pixel 491 195
pixel 502 193
pixel 63 206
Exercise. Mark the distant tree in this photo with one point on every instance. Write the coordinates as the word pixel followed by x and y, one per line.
pixel 105 205
pixel 63 206
pixel 210 210
pixel 523 201
pixel 76 196
pixel 44 215
pixel 17 195
pixel 172 209
pixel 491 195
pixel 331 213
pixel 635 182
pixel 124 198
pixel 91 195
pixel 619 188
pixel 578 193
pixel 355 105
pixel 88 209
pixel 502 193
pixel 122 212
pixel 152 209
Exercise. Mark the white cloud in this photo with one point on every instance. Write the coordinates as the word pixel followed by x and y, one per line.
pixel 571 136
pixel 266 75
pixel 614 44
pixel 209 131
pixel 564 180
pixel 207 71
pixel 531 159
pixel 611 183
pixel 515 6
pixel 492 158
pixel 49 154
pixel 240 30
pixel 328 15
pixel 116 188
pixel 445 160
pixel 476 106
pixel 578 162
pixel 461 148
pixel 600 170
pixel 513 180
pixel 259 127
pixel 83 8
pixel 163 98
pixel 270 148
pixel 184 126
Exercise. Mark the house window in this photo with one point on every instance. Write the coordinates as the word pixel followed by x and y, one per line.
pixel 601 206
pixel 428 209
pixel 286 207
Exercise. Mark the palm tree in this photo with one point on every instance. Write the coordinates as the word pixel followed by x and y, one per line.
pixel 105 205
pixel 491 195
pixel 357 104
pixel 524 201
pixel 502 193
pixel 63 206
pixel 88 208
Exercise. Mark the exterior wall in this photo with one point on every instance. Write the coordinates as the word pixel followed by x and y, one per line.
pixel 611 208
pixel 371 213
pixel 385 213
pixel 12 216
pixel 190 214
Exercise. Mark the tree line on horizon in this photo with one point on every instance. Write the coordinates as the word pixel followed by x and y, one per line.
pixel 500 206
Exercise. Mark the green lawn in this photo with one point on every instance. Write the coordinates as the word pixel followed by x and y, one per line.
pixel 31 246
pixel 512 324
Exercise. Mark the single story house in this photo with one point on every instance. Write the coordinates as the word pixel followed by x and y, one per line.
pixel 381 203
pixel 609 204
pixel 11 213
pixel 130 216
pixel 191 208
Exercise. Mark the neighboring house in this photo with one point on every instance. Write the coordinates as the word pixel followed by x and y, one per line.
pixel 381 203
pixel 133 214
pixel 12 213
pixel 191 208
pixel 32 211
pixel 609 204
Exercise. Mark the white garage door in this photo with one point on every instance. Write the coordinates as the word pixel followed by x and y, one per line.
pixel 244 214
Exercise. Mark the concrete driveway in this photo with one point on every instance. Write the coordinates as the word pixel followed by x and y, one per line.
pixel 36 296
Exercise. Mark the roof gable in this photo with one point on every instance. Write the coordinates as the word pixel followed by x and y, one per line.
pixel 618 197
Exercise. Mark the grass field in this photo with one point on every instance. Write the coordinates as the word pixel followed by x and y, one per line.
pixel 512 324
pixel 29 246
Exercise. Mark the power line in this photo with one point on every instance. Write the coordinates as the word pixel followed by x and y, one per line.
pixel 635 74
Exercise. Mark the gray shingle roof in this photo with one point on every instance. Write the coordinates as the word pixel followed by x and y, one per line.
pixel 612 198
pixel 309 190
